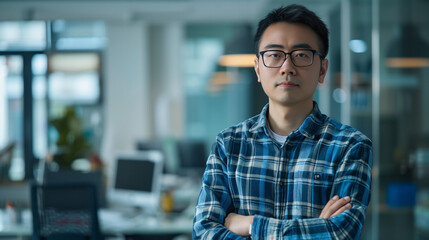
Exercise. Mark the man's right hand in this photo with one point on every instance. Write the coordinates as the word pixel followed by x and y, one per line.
pixel 335 206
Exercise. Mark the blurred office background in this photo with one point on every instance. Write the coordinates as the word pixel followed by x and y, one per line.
pixel 138 74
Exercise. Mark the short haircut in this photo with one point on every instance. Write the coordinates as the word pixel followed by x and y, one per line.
pixel 295 14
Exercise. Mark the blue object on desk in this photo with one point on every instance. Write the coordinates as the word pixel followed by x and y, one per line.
pixel 401 194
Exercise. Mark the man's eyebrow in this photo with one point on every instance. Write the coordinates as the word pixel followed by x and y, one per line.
pixel 273 45
pixel 296 46
pixel 302 45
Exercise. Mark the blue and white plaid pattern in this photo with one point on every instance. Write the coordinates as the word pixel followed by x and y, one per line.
pixel 286 186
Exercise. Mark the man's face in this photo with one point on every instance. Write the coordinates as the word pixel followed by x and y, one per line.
pixel 290 85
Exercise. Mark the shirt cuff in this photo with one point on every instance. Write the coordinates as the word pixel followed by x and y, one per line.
pixel 250 230
pixel 260 227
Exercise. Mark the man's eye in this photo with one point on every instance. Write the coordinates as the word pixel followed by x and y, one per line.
pixel 274 55
pixel 301 55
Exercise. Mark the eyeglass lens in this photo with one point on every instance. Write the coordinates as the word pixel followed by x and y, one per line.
pixel 300 58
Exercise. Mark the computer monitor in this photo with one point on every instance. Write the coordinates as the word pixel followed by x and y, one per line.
pixel 192 157
pixel 156 145
pixel 150 145
pixel 136 180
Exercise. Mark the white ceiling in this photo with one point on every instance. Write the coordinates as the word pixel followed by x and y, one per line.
pixel 150 10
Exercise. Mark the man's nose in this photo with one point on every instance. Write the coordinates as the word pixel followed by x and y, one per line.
pixel 288 67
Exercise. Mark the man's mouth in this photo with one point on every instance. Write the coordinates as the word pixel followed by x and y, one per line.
pixel 287 84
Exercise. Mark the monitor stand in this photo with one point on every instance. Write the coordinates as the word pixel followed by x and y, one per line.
pixel 131 212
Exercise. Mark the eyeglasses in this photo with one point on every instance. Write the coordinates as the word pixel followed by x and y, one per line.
pixel 299 57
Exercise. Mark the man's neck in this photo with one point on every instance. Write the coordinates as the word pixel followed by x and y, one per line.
pixel 285 119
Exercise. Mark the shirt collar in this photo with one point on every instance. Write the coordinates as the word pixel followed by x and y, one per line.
pixel 309 128
pixel 313 123
pixel 260 123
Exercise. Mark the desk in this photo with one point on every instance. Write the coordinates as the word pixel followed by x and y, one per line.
pixel 19 231
pixel 112 223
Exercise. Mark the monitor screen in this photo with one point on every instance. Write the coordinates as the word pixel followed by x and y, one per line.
pixel 192 157
pixel 137 179
pixel 134 175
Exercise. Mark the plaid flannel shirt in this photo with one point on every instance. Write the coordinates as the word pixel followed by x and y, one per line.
pixel 285 186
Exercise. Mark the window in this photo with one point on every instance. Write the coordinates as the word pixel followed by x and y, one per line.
pixel 40 77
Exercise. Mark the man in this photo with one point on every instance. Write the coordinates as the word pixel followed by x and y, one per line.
pixel 290 172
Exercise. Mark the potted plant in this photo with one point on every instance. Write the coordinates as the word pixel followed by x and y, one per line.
pixel 71 143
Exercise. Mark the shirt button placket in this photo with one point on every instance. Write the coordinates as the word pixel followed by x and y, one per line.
pixel 282 191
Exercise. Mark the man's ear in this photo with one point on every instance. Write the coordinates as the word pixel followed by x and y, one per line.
pixel 256 67
pixel 323 70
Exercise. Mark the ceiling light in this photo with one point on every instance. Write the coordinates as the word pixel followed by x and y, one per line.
pixel 237 60
pixel 239 50
pixel 357 46
pixel 409 50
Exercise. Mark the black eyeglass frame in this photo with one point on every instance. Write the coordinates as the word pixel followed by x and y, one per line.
pixel 261 53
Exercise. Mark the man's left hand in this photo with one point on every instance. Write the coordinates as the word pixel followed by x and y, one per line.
pixel 238 224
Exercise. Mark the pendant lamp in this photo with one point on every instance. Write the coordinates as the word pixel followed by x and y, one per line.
pixel 239 51
pixel 410 49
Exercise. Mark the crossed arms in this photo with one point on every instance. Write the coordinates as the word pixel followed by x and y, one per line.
pixel 341 217
pixel 240 224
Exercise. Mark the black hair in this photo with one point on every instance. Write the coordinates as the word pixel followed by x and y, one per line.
pixel 295 14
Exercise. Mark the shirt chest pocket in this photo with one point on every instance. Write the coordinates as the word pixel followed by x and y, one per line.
pixel 322 182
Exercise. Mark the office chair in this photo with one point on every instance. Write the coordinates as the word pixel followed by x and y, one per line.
pixel 65 211
pixel 72 176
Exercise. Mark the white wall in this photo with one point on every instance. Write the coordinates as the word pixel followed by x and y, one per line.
pixel 144 92
pixel 126 93
pixel 167 44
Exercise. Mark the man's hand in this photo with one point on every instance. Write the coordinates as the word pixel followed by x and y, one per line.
pixel 335 206
pixel 238 224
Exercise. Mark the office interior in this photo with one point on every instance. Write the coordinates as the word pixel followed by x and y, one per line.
pixel 84 83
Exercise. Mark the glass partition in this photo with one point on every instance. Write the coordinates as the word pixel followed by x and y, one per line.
pixel 403 120
pixel 45 67
pixel 22 35
pixel 11 121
